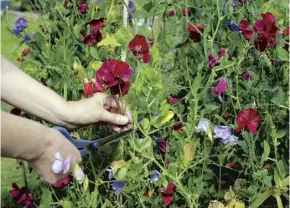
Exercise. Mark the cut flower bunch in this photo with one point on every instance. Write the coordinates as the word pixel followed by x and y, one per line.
pixel 207 84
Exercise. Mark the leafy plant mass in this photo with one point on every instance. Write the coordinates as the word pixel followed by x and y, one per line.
pixel 207 85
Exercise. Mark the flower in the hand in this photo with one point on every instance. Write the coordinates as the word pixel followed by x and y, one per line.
pixel 233 27
pixel 140 48
pixel 83 8
pixel 118 186
pixel 246 30
pixel 222 132
pixel 172 100
pixel 195 32
pixel 203 125
pixel 111 174
pixel 155 176
pixel 114 75
pixel 60 165
pixel 167 197
pixel 21 195
pixel 19 25
pixel 246 76
pixel 248 119
pixel 220 88
pixel 63 182
pixel 88 89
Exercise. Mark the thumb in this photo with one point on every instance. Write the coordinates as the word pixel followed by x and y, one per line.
pixel 114 118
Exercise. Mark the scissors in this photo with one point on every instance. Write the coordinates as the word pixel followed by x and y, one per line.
pixel 85 145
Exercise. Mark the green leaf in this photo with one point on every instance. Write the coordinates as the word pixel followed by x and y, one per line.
pixel 189 152
pixel 109 40
pixel 94 53
pixel 66 204
pixel 266 151
pixel 145 124
pixel 282 54
pixel 155 54
pixel 46 197
pixel 279 134
pixel 161 120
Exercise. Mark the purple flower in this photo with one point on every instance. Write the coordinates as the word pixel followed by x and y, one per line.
pixel 111 174
pixel 132 9
pixel 83 8
pixel 61 166
pixel 118 186
pixel 162 144
pixel 211 61
pixel 247 75
pixel 223 132
pixel 230 140
pixel 155 176
pixel 203 126
pixel 233 27
pixel 27 39
pixel 19 25
pixel 220 88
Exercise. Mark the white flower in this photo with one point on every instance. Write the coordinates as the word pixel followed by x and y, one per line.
pixel 203 125
pixel 59 165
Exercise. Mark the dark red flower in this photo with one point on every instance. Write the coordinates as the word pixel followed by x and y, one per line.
pixel 211 61
pixel 171 13
pixel 187 10
pixel 172 100
pixel 167 197
pixel 246 76
pixel 226 116
pixel 97 24
pixel 140 48
pixel 261 42
pixel 248 118
pixel 88 89
pixel 21 195
pixel 25 52
pixel 230 165
pixel 20 60
pixel 16 111
pixel 286 31
pixel 93 38
pixel 195 32
pixel 246 30
pixel 177 126
pixel 162 144
pixel 115 75
pixel 63 182
pixel 83 8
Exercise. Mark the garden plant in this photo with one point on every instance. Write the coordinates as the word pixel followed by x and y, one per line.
pixel 206 82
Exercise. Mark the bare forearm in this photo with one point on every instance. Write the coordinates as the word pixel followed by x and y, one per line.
pixel 22 91
pixel 22 138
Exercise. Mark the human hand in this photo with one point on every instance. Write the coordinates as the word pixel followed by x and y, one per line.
pixel 100 108
pixel 42 164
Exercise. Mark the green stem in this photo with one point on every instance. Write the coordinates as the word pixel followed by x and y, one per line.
pixel 91 159
pixel 279 201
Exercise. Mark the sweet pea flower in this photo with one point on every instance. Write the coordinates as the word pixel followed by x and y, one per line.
pixel 167 193
pixel 111 174
pixel 88 89
pixel 187 11
pixel 83 8
pixel 22 196
pixel 247 76
pixel 162 144
pixel 78 173
pixel 61 166
pixel 246 30
pixel 211 61
pixel 19 25
pixel 231 140
pixel 155 176
pixel 195 34
pixel 177 126
pixel 248 119
pixel 220 88
pixel 172 100
pixel 63 182
pixel 16 111
pixel 233 27
pixel 140 48
pixel 118 186
pixel 97 24
pixel 132 10
pixel 222 132
pixel 203 125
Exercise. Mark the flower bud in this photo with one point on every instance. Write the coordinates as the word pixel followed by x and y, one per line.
pixel 88 90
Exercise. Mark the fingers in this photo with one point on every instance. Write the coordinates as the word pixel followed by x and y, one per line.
pixel 113 118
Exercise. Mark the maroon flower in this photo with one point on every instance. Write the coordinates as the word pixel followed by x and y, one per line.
pixel 97 24
pixel 21 196
pixel 63 182
pixel 115 75
pixel 167 197
pixel 248 118
pixel 88 89
pixel 211 61
pixel 286 31
pixel 16 111
pixel 93 38
pixel 140 48
pixel 25 52
pixel 187 10
pixel 172 100
pixel 195 35
pixel 246 30
pixel 171 13
pixel 177 126
pixel 220 88
pixel 83 8
pixel 246 76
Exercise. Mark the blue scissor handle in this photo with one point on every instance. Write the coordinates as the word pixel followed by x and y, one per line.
pixel 80 144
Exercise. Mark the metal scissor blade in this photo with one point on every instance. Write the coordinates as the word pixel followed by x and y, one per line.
pixel 113 138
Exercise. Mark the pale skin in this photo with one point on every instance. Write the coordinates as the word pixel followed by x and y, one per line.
pixel 28 140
